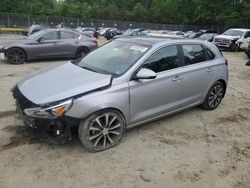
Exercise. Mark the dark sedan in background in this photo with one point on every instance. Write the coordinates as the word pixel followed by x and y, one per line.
pixel 51 43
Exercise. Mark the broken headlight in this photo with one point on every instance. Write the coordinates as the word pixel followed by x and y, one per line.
pixel 51 112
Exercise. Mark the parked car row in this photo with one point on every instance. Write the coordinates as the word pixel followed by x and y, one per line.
pixel 232 39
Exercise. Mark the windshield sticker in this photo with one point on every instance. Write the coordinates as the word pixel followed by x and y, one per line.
pixel 138 48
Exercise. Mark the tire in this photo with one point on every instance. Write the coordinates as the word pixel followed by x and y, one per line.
pixel 102 130
pixel 16 56
pixel 234 47
pixel 214 96
pixel 81 51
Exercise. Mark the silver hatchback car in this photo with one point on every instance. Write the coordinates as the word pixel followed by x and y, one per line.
pixel 124 83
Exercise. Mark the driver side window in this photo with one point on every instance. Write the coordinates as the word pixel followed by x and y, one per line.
pixel 247 35
pixel 164 59
pixel 51 36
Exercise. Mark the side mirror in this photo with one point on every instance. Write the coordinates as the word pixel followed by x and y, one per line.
pixel 40 40
pixel 145 74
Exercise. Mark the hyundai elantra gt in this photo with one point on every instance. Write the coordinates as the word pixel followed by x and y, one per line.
pixel 124 83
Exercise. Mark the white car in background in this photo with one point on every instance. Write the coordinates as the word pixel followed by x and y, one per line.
pixel 233 39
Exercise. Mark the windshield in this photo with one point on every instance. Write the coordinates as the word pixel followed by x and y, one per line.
pixel 191 35
pixel 36 35
pixel 114 58
pixel 233 32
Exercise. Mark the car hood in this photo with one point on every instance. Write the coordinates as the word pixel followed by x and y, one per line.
pixel 226 37
pixel 61 82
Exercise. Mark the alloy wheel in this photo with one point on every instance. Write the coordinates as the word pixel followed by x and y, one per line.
pixel 16 56
pixel 215 96
pixel 105 131
pixel 80 52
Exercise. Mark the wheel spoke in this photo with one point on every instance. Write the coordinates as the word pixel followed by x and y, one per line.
pixel 214 103
pixel 110 140
pixel 95 136
pixel 113 119
pixel 18 58
pixel 97 141
pixel 107 120
pixel 210 98
pixel 114 132
pixel 94 129
pixel 98 122
pixel 104 141
pixel 211 103
pixel 220 90
pixel 115 127
pixel 218 100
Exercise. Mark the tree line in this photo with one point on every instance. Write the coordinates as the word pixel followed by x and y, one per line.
pixel 209 12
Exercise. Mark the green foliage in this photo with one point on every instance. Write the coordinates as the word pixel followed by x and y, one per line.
pixel 222 12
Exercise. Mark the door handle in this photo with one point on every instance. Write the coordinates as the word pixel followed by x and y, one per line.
pixel 177 78
pixel 210 69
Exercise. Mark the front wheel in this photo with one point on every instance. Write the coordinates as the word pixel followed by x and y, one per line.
pixel 234 47
pixel 16 56
pixel 102 130
pixel 214 96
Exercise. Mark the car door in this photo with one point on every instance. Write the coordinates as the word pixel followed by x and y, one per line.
pixel 154 97
pixel 46 45
pixel 245 40
pixel 68 42
pixel 197 73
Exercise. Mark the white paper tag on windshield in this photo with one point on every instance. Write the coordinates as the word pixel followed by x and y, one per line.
pixel 138 48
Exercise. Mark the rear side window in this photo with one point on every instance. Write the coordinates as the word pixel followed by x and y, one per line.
pixel 76 36
pixel 193 53
pixel 210 54
pixel 164 59
pixel 50 36
pixel 67 35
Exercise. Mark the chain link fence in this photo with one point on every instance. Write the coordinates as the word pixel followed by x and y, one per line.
pixel 25 21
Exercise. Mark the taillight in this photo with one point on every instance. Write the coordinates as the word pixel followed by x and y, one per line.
pixel 94 41
pixel 226 62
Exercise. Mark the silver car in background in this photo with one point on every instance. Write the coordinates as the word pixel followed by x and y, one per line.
pixel 124 83
pixel 50 43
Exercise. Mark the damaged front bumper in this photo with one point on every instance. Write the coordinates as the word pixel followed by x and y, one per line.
pixel 58 128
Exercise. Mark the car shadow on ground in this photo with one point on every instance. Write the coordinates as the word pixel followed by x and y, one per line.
pixel 23 135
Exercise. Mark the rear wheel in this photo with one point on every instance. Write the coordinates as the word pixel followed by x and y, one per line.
pixel 81 51
pixel 102 130
pixel 214 96
pixel 16 56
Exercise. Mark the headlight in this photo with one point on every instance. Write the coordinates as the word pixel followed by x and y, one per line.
pixel 50 112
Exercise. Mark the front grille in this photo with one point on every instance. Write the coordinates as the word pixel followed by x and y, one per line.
pixel 218 40
pixel 21 100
